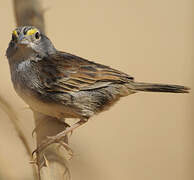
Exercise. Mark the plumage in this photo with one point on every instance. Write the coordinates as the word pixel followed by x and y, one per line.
pixel 71 73
pixel 44 76
pixel 63 85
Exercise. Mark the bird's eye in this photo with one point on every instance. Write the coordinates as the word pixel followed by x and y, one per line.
pixel 37 35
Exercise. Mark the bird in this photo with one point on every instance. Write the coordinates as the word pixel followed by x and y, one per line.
pixel 63 85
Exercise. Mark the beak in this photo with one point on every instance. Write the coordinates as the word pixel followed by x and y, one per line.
pixel 23 40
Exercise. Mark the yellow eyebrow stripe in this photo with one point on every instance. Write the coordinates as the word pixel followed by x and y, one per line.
pixel 31 32
pixel 15 33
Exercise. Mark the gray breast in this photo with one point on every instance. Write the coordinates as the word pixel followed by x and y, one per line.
pixel 25 79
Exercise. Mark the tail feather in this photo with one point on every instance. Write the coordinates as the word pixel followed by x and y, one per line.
pixel 152 87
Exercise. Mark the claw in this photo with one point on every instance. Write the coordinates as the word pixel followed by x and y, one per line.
pixel 34 130
pixel 34 152
pixel 57 139
pixel 67 147
pixel 33 162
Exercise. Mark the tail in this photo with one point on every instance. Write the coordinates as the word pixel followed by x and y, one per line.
pixel 151 87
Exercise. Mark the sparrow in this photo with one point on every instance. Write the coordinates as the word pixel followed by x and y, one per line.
pixel 63 85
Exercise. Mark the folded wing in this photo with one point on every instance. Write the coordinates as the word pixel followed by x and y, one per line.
pixel 63 72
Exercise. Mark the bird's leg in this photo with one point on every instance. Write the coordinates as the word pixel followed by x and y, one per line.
pixel 42 124
pixel 57 138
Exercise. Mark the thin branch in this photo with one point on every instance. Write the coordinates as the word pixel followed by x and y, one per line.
pixel 13 117
pixel 29 12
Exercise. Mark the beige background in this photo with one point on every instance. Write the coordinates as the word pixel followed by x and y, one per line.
pixel 145 136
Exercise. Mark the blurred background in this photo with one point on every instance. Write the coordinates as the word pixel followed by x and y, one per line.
pixel 145 136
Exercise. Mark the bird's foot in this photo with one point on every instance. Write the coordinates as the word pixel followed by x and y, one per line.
pixel 50 140
pixel 58 139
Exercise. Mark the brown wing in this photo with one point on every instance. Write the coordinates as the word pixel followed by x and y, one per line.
pixel 63 72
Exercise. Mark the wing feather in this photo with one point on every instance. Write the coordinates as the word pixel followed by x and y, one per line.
pixel 63 72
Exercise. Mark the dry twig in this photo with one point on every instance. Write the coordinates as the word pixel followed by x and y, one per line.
pixel 6 107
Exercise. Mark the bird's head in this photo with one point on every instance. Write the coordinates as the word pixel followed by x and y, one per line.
pixel 30 37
